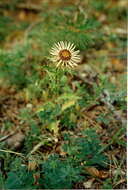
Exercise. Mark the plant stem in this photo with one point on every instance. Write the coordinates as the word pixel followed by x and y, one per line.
pixel 57 82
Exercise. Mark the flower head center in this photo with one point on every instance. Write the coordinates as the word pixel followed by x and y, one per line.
pixel 65 54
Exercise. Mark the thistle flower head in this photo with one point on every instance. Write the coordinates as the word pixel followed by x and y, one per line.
pixel 64 54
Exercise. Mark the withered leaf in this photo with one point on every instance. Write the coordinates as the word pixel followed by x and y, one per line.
pixel 96 173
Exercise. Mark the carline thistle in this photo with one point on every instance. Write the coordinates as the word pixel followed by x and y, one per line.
pixel 64 54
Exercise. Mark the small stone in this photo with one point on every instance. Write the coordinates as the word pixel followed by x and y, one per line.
pixel 29 106
pixel 15 141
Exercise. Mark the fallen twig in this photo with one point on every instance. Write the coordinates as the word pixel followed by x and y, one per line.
pixel 7 136
pixel 26 6
pixel 12 152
